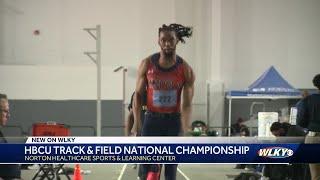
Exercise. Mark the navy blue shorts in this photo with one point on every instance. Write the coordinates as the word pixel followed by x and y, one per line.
pixel 160 124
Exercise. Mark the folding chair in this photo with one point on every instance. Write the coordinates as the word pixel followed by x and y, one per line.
pixel 50 171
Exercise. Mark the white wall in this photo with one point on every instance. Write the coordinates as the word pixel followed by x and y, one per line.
pixel 129 31
pixel 59 82
pixel 259 33
pixel 62 40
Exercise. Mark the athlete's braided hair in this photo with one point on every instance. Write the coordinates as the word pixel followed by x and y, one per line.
pixel 3 96
pixel 180 30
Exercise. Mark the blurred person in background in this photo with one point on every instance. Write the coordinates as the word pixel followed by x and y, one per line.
pixel 7 171
pixel 292 171
pixel 309 117
pixel 235 128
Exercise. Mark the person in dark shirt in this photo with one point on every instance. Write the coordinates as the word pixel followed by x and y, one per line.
pixel 244 131
pixel 299 105
pixel 235 128
pixel 293 171
pixel 286 129
pixel 7 171
pixel 309 117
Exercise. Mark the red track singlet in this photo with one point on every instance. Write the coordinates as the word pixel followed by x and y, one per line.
pixel 164 86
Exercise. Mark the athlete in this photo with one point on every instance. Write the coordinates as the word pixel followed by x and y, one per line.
pixel 169 84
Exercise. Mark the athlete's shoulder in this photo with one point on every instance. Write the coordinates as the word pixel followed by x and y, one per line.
pixel 182 61
pixel 188 71
pixel 146 61
pixel 185 64
pixel 144 64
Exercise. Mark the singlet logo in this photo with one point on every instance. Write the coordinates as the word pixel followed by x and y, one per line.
pixel 164 84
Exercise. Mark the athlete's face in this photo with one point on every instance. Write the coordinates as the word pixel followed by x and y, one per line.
pixel 4 112
pixel 168 42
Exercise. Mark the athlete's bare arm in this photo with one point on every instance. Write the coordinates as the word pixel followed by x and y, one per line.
pixel 140 89
pixel 129 123
pixel 187 95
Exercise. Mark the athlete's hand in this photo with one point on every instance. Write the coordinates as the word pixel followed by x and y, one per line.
pixel 135 131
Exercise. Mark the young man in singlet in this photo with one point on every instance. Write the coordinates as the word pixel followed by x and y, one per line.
pixel 168 80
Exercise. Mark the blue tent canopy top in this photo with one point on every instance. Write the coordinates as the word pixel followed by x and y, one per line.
pixel 270 83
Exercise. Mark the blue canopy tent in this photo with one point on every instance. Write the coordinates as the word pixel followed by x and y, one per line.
pixel 270 85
